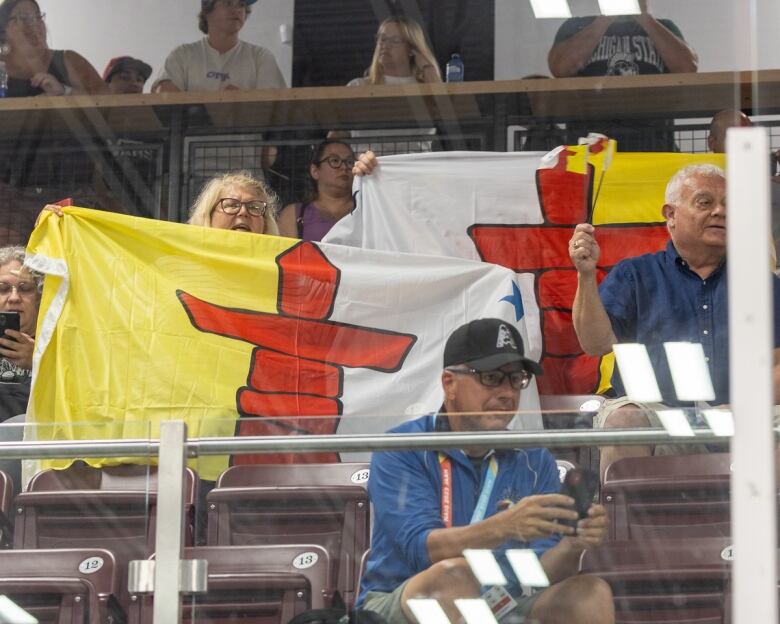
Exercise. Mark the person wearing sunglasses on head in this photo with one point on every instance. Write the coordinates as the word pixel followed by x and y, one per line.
pixel 33 68
pixel 328 195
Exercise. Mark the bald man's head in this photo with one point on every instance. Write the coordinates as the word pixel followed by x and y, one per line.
pixel 721 122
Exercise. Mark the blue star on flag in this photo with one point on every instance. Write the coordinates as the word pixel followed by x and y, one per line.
pixel 516 300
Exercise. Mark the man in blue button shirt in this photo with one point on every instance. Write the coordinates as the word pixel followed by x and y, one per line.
pixel 429 506
pixel 676 295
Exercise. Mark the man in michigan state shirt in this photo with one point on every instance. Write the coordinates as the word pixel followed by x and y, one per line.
pixel 431 505
pixel 619 46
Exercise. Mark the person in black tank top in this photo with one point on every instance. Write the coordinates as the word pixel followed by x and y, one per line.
pixel 34 69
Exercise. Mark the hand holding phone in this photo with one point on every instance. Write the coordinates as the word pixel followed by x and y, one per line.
pixel 9 320
pixel 580 484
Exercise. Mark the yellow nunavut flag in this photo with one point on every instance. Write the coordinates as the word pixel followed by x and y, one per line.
pixel 240 334
pixel 117 351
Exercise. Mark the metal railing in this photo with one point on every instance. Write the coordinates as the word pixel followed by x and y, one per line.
pixel 170 575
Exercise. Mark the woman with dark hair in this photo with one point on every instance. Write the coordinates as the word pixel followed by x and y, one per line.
pixel 220 60
pixel 328 195
pixel 34 69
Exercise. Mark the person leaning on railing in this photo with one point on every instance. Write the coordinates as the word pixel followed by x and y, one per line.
pixel 34 69
pixel 430 506
pixel 328 196
pixel 402 55
pixel 675 295
pixel 220 60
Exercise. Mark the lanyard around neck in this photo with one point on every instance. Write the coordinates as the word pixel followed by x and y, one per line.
pixel 446 490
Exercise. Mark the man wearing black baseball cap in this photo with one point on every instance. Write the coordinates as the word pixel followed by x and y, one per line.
pixel 430 506
pixel 125 74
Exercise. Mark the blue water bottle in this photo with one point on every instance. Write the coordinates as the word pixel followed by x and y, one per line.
pixel 455 69
pixel 3 80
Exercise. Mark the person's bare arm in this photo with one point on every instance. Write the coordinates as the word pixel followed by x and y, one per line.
pixel 166 86
pixel 677 55
pixel 563 560
pixel 568 57
pixel 286 221
pixel 83 76
pixel 591 322
pixel 530 518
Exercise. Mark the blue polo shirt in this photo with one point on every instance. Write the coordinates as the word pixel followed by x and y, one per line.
pixel 656 298
pixel 405 489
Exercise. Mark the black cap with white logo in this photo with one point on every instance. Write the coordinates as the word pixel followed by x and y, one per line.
pixel 487 344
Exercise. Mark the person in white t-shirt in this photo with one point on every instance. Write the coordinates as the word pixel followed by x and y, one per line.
pixel 220 60
pixel 402 56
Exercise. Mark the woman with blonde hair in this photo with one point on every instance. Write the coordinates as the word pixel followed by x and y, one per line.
pixel 236 201
pixel 401 52
pixel 231 201
pixel 402 55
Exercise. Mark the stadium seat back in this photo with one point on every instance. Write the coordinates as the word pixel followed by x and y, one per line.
pixel 253 585
pixel 325 504
pixel 672 581
pixel 6 496
pixel 83 507
pixel 668 496
pixel 69 586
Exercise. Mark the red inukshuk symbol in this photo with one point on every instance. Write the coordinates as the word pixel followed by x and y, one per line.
pixel 565 198
pixel 296 372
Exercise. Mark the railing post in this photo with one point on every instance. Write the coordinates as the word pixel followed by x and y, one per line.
pixel 170 522
pixel 753 493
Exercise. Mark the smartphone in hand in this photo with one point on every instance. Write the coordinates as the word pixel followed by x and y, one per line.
pixel 580 484
pixel 9 320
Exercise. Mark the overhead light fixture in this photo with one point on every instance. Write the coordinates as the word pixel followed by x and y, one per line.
pixel 427 610
pixel 546 9
pixel 690 373
pixel 475 611
pixel 675 422
pixel 619 7
pixel 528 569
pixel 484 567
pixel 637 373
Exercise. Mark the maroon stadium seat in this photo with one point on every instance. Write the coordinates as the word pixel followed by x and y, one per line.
pixel 252 585
pixel 69 586
pixel 670 581
pixel 668 496
pixel 324 504
pixel 111 507
pixel 6 495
